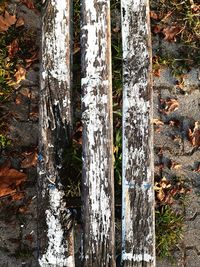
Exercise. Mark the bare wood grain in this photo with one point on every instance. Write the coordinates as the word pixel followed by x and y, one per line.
pixel 138 237
pixel 55 228
pixel 98 184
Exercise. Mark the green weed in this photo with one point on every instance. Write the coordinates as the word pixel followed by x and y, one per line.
pixel 169 230
pixel 4 142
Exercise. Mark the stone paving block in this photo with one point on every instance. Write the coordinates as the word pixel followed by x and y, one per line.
pixel 192 237
pixel 24 133
pixel 192 259
pixel 166 80
pixel 192 80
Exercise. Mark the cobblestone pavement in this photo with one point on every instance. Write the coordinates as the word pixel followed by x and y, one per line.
pixel 176 148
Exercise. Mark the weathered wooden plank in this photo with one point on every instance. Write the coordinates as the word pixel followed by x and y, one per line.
pixel 55 227
pixel 138 238
pixel 98 184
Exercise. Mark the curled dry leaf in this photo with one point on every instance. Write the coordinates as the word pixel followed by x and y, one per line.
pixel 156 72
pixel 158 125
pixel 176 166
pixel 194 136
pixel 13 48
pixel 174 123
pixel 28 3
pixel 165 191
pixel 158 122
pixel 10 179
pixel 170 105
pixel 195 8
pixel 20 74
pixel 29 61
pixel 157 29
pixel 171 32
pixel 6 21
pixel 30 160
pixel 20 22
pixel 155 15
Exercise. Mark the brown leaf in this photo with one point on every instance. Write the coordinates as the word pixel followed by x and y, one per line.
pixel 160 195
pixel 18 196
pixel 28 3
pixel 20 74
pixel 6 21
pixel 170 105
pixel 157 29
pixel 194 137
pixel 30 60
pixel 176 166
pixel 171 32
pixel 20 22
pixel 158 122
pixel 154 15
pixel 13 48
pixel 156 72
pixel 30 160
pixel 174 123
pixel 195 8
pixel 10 179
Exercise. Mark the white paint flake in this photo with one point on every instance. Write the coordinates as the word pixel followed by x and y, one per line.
pixel 56 40
pixel 138 258
pixel 56 251
pixel 137 173
pixel 96 103
pixel 55 95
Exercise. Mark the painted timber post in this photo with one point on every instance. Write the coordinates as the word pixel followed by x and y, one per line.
pixel 98 182
pixel 55 220
pixel 138 237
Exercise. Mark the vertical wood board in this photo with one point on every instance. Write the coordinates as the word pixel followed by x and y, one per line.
pixel 98 182
pixel 55 220
pixel 138 236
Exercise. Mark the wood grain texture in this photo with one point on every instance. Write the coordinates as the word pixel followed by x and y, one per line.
pixel 138 237
pixel 55 220
pixel 98 184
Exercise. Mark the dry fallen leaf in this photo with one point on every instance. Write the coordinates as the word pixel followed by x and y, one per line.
pixel 154 15
pixel 158 122
pixel 6 21
pixel 20 22
pixel 13 48
pixel 176 166
pixel 10 179
pixel 174 123
pixel 157 29
pixel 20 74
pixel 156 72
pixel 30 160
pixel 194 136
pixel 30 60
pixel 195 8
pixel 3 5
pixel 170 105
pixel 171 32
pixel 28 3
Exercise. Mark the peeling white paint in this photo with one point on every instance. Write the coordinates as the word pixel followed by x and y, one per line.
pixel 55 94
pixel 137 172
pixel 56 251
pixel 55 41
pixel 138 258
pixel 97 125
